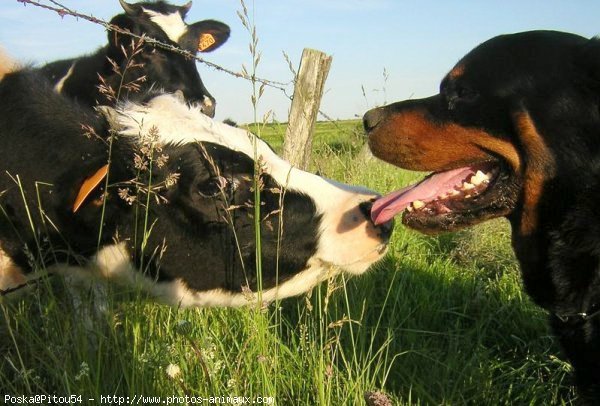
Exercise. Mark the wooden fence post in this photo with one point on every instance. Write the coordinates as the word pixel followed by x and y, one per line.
pixel 308 91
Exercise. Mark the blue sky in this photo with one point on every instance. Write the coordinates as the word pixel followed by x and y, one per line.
pixel 416 42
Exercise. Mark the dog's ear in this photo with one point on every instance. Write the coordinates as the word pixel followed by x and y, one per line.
pixel 588 59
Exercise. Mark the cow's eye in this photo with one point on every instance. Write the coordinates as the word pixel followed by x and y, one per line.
pixel 214 187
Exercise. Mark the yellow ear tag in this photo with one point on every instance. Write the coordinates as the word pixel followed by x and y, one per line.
pixel 88 187
pixel 206 41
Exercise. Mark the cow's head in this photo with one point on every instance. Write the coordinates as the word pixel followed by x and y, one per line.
pixel 200 243
pixel 162 68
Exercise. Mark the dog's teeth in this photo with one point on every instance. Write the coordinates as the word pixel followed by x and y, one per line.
pixel 468 186
pixel 453 193
pixel 479 178
pixel 410 208
pixel 417 204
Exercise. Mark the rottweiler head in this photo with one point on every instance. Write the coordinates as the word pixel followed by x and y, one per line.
pixel 510 116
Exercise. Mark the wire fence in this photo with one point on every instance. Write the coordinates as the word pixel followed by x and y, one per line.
pixel 63 11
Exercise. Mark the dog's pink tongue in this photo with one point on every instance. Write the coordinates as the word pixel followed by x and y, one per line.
pixel 386 207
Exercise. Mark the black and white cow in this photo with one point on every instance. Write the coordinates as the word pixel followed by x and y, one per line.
pixel 191 243
pixel 164 69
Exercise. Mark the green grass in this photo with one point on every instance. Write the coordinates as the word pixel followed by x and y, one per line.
pixel 442 320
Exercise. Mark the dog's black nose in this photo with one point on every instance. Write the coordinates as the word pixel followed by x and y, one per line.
pixel 372 118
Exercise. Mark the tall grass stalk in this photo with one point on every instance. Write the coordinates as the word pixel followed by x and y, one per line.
pixel 34 232
pixel 114 96
pixel 268 384
pixel 248 23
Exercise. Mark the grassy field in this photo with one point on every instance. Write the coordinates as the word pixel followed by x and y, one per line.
pixel 441 321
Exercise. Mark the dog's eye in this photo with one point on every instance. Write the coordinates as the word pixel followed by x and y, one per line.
pixel 460 94
pixel 465 93
pixel 217 186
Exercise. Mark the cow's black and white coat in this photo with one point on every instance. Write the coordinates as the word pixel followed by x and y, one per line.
pixel 161 68
pixel 199 245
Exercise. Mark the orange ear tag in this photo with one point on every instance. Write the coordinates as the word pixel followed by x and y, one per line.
pixel 205 41
pixel 88 187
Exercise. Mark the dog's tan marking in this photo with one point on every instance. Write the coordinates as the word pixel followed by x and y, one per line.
pixel 413 142
pixel 457 71
pixel 11 275
pixel 7 65
pixel 538 168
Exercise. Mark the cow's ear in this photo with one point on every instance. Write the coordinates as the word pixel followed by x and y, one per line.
pixel 131 9
pixel 89 185
pixel 205 36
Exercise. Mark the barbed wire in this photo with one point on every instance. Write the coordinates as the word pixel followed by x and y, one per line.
pixel 63 11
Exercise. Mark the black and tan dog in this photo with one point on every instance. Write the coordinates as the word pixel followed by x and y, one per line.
pixel 514 132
